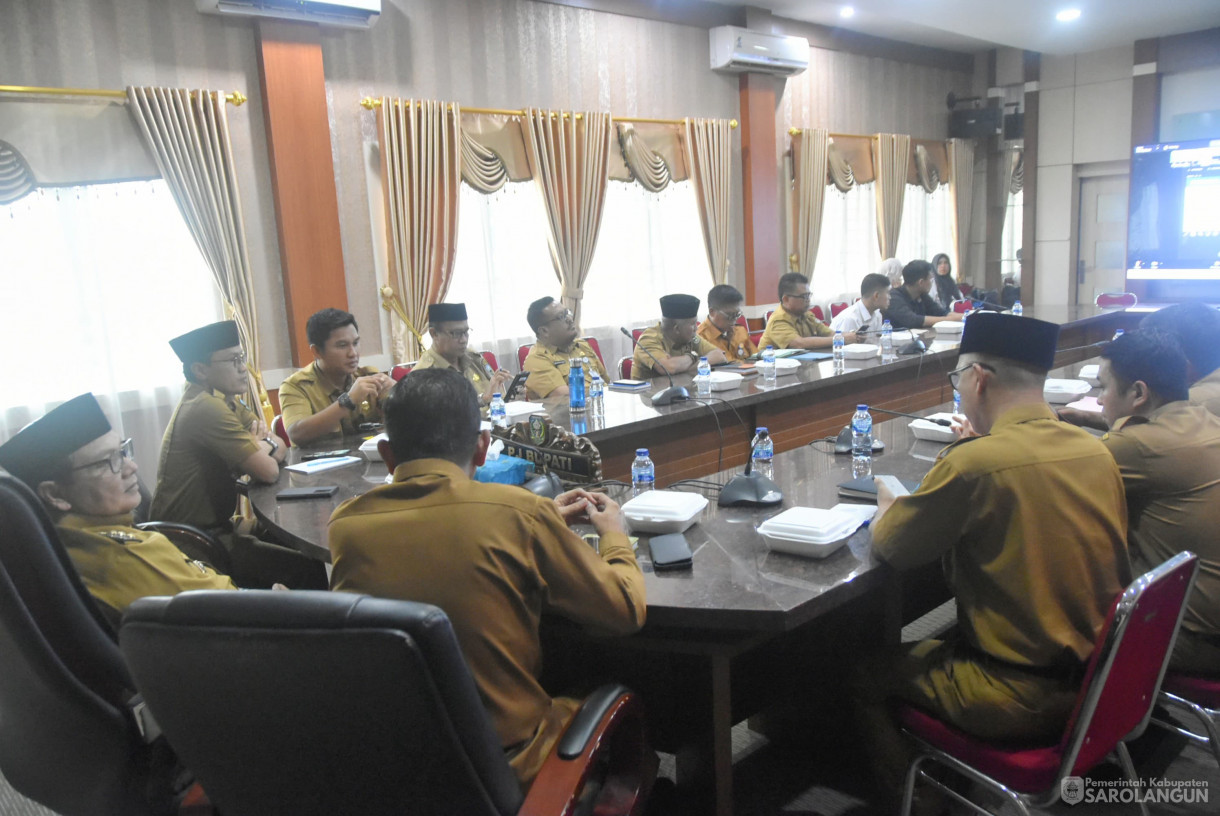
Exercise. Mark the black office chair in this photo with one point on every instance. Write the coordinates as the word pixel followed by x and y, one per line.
pixel 321 703
pixel 70 726
pixel 194 542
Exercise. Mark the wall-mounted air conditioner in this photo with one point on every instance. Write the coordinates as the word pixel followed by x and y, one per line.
pixel 739 49
pixel 344 13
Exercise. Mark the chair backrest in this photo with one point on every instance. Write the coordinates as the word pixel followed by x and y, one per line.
pixel 401 370
pixel 835 308
pixel 277 425
pixel 769 313
pixel 817 312
pixel 962 306
pixel 523 351
pixel 491 360
pixel 741 321
pixel 635 336
pixel 67 739
pixel 624 368
pixel 1128 663
pixel 597 349
pixel 755 336
pixel 1112 299
pixel 316 702
pixel 965 289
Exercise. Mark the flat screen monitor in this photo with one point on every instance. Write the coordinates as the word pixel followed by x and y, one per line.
pixel 1173 228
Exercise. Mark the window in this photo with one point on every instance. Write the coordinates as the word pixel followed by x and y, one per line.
pixel 1011 241
pixel 848 249
pixel 927 220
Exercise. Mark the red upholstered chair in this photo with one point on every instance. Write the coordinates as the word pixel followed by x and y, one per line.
pixel 277 425
pixel 1114 705
pixel 523 351
pixel 960 306
pixel 401 370
pixel 755 336
pixel 769 313
pixel 635 336
pixel 592 341
pixel 835 308
pixel 1195 696
pixel 741 321
pixel 965 289
pixel 818 313
pixel 624 368
pixel 491 360
pixel 1113 299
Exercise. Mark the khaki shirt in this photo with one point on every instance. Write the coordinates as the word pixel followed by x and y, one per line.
pixel 118 563
pixel 308 391
pixel 1206 392
pixel 654 340
pixel 1032 523
pixel 205 441
pixel 736 345
pixel 548 366
pixel 783 328
pixel 471 365
pixel 1170 464
pixel 494 558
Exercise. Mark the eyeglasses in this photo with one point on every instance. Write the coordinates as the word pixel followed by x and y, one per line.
pixel 566 315
pixel 456 334
pixel 115 459
pixel 237 361
pixel 807 296
pixel 956 374
pixel 734 315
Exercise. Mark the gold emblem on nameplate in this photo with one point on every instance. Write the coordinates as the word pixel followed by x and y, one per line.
pixel 538 430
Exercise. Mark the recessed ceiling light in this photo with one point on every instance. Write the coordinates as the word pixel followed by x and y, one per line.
pixel 1068 15
pixel 847 11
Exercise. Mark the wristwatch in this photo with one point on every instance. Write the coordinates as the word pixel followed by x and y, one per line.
pixel 346 402
pixel 275 445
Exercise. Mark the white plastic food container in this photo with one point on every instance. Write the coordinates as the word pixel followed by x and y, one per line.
pixel 785 366
pixel 812 531
pixel 950 326
pixel 933 432
pixel 1061 391
pixel 860 351
pixel 369 447
pixel 1090 373
pixel 725 380
pixel 663 511
pixel 520 408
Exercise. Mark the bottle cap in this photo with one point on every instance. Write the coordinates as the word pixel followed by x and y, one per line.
pixel 497 395
pixel 761 429
pixel 703 359
pixel 861 407
pixel 770 348
pixel 641 451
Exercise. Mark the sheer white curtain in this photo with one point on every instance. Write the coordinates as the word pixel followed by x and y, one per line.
pixel 1011 240
pixel 98 279
pixel 848 249
pixel 650 244
pixel 927 224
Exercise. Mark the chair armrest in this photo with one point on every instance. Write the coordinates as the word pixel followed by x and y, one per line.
pixel 194 542
pixel 606 738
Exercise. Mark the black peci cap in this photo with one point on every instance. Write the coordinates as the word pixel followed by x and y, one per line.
pixel 197 346
pixel 679 307
pixel 1023 339
pixel 37 451
pixel 446 313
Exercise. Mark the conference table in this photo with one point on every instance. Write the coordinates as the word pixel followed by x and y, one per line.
pixel 744 630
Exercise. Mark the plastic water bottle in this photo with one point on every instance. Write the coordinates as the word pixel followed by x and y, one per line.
pixel 576 387
pixel 887 342
pixel 957 402
pixel 836 346
pixel 499 417
pixel 1018 309
pixel 597 402
pixel 861 441
pixel 763 452
pixel 768 365
pixel 643 473
pixel 703 379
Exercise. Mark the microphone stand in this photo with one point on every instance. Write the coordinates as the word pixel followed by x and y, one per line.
pixel 675 393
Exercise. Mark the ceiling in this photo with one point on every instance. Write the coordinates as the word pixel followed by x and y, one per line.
pixel 977 25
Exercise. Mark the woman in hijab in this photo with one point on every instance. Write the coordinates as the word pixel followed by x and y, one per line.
pixel 945 292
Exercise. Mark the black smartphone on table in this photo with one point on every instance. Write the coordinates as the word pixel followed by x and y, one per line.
pixel 315 492
pixel 309 457
pixel 670 552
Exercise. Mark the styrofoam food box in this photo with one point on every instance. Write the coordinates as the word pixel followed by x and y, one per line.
pixel 785 366
pixel 725 380
pixel 950 326
pixel 1061 391
pixel 1090 373
pixel 369 447
pixel 931 431
pixel 663 511
pixel 860 351
pixel 813 531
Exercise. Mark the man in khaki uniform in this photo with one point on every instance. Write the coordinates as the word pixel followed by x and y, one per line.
pixel 673 341
pixel 792 325
pixel 1168 452
pixel 493 557
pixel 549 361
pixel 450 331
pixel 1197 327
pixel 86 478
pixel 1030 521
pixel 721 328
pixel 334 394
pixel 211 440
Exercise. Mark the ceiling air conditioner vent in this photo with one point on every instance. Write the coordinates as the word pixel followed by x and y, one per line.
pixel 738 49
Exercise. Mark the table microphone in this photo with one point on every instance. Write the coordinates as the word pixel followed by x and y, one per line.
pixel 750 488
pixel 675 393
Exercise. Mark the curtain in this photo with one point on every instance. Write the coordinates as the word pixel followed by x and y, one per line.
pixel 647 166
pixel 890 154
pixel 810 167
pixel 421 175
pixel 1012 172
pixel 709 156
pixel 568 153
pixel 188 134
pixel 927 175
pixel 16 179
pixel 961 185
pixel 839 171
pixel 481 167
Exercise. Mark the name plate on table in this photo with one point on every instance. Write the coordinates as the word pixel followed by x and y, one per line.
pixel 552 448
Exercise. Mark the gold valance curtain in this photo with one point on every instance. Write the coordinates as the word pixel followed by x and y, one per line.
pixel 961 187
pixel 568 154
pixel 1012 172
pixel 709 156
pixel 811 151
pixel 16 178
pixel 891 153
pixel 188 134
pixel 421 155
